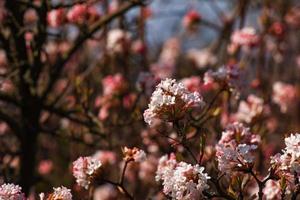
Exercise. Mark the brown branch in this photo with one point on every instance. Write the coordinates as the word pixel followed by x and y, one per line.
pixel 58 67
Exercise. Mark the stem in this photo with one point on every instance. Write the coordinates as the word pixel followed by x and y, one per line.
pixel 127 194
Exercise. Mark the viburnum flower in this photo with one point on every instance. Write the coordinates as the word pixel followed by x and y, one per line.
pixel 56 17
pixel 85 170
pixel 113 84
pixel 236 147
pixel 285 95
pixel 287 164
pixel 181 180
pixel 245 37
pixel 11 192
pixel 134 154
pixel 250 109
pixel 60 193
pixel 202 58
pixel 118 41
pixel 170 101
pixel 227 76
pixel 272 190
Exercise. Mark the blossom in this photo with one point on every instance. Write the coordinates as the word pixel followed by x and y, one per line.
pixel 113 84
pixel 134 154
pixel 287 164
pixel 272 190
pixel 170 101
pixel 285 95
pixel 118 40
pixel 11 192
pixel 56 17
pixel 250 109
pixel 245 37
pixel 190 19
pixel 60 193
pixel 235 148
pixel 85 169
pixel 227 76
pixel 202 58
pixel 181 180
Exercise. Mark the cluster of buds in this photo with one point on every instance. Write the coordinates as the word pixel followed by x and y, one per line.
pixel 11 192
pixel 235 148
pixel 170 101
pixel 59 193
pixel 181 180
pixel 133 154
pixel 86 170
pixel 81 13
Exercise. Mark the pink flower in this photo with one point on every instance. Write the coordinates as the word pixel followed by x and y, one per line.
pixel 60 193
pixel 11 192
pixel 245 37
pixel 85 169
pixel 56 18
pixel 181 180
pixel 193 83
pixel 191 19
pixel 118 41
pixel 202 58
pixel 250 109
pixel 272 190
pixel 45 167
pixel 170 101
pixel 113 84
pixel 105 157
pixel 285 95
pixel 235 148
pixel 133 154
pixel 77 13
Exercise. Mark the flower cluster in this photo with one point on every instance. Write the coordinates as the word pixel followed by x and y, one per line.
pixel 235 148
pixel 285 95
pixel 56 17
pixel 85 169
pixel 60 193
pixel 250 109
pixel 134 154
pixel 245 37
pixel 81 13
pixel 181 180
pixel 11 192
pixel 228 76
pixel 287 164
pixel 170 101
pixel 118 41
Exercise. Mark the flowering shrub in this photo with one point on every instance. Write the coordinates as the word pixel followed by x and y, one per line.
pixel 136 99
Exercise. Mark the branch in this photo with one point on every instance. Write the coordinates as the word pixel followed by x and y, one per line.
pixel 58 67
pixel 11 123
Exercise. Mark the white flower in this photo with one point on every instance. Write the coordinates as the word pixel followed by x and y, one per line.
pixel 181 180
pixel 170 101
pixel 11 192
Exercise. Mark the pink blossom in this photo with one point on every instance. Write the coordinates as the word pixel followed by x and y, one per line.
pixel 85 169
pixel 133 154
pixel 235 148
pixel 60 193
pixel 181 180
pixel 113 84
pixel 105 157
pixel 285 95
pixel 11 192
pixel 45 167
pixel 246 37
pixel 190 19
pixel 56 18
pixel 250 109
pixel 118 41
pixel 170 101
pixel 272 190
